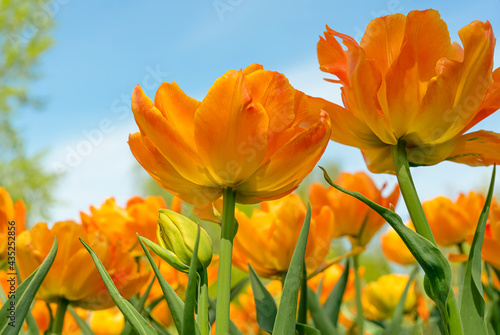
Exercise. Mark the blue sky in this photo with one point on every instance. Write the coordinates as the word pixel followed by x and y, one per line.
pixel 104 48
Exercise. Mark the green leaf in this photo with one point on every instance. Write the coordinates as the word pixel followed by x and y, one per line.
pixel 24 295
pixel 334 300
pixel 140 325
pixel 191 290
pixel 285 318
pixel 175 304
pixel 142 301
pixel 302 317
pixel 397 317
pixel 264 302
pixel 472 305
pixel 84 327
pixel 306 330
pixel 319 315
pixel 437 282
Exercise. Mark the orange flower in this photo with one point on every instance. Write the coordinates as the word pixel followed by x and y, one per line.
pixel 253 132
pixel 73 275
pixel 451 222
pixel 42 317
pixel 395 249
pixel 120 225
pixel 407 81
pixel 267 239
pixel 491 242
pixel 329 279
pixel 12 223
pixel 352 217
pixel 381 297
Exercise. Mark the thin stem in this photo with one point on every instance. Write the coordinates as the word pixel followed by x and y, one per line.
pixel 402 167
pixel 57 326
pixel 451 316
pixel 226 253
pixel 359 305
pixel 203 304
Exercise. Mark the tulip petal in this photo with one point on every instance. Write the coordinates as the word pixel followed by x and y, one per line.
pixel 177 108
pixel 455 95
pixel 230 131
pixel 480 148
pixel 166 175
pixel 347 128
pixel 274 92
pixel 287 167
pixel 491 102
pixel 331 56
pixel 360 93
pixel 383 38
pixel 426 41
pixel 171 141
pixel 379 160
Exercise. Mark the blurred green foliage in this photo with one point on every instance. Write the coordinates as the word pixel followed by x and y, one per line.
pixel 25 28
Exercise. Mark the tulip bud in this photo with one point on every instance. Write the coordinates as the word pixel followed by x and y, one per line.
pixel 177 234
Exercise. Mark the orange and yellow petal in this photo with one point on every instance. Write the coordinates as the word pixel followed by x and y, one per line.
pixel 225 125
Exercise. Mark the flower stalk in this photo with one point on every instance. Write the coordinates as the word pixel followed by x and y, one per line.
pixel 453 324
pixel 225 260
pixel 58 322
pixel 359 305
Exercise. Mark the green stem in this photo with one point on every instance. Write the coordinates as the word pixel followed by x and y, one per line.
pixel 203 304
pixel 451 316
pixel 402 167
pixel 226 252
pixel 57 326
pixel 359 305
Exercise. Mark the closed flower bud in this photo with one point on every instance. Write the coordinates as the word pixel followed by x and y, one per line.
pixel 177 234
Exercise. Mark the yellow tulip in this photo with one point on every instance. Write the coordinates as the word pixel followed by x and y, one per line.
pixel 267 239
pixel 73 275
pixel 381 297
pixel 406 81
pixel 395 249
pixel 107 322
pixel 253 132
pixel 352 217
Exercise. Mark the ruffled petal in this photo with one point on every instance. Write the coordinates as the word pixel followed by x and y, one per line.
pixel 491 102
pixel 331 56
pixel 360 93
pixel 226 126
pixel 480 148
pixel 287 167
pixel 166 175
pixel 168 139
pixel 455 95
pixel 426 40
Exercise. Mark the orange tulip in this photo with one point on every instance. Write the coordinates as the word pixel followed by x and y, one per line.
pixel 73 275
pixel 491 242
pixel 12 223
pixel 381 297
pixel 451 222
pixel 407 81
pixel 395 249
pixel 120 225
pixel 252 132
pixel 352 217
pixel 329 279
pixel 42 316
pixel 267 239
